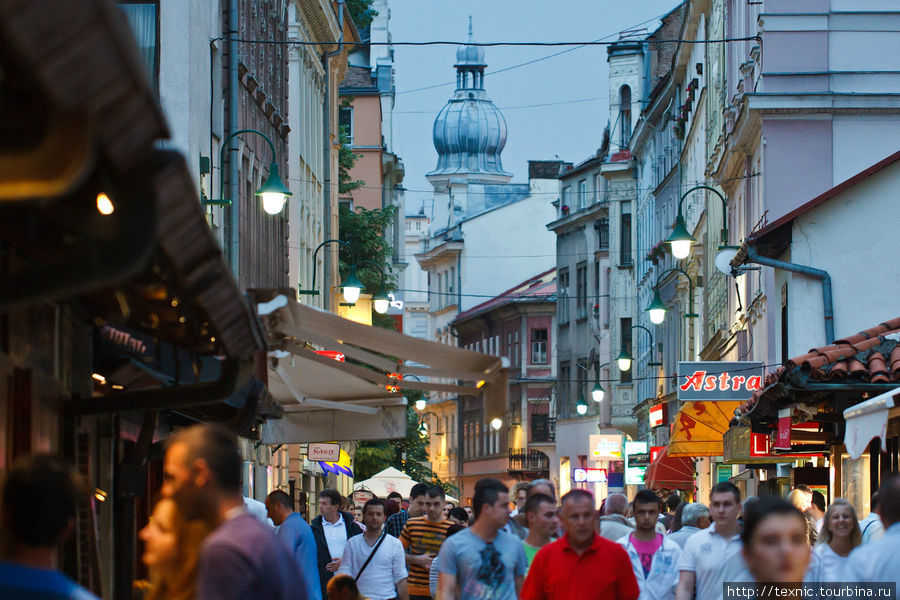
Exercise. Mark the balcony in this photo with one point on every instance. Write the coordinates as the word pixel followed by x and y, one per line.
pixel 525 463
pixel 543 429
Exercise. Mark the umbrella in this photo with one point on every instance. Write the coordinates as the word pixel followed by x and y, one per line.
pixel 390 480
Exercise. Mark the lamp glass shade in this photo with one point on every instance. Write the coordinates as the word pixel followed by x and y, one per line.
pixel 657 309
pixel 273 192
pixel 598 393
pixel 421 403
pixel 381 301
pixel 581 406
pixel 352 286
pixel 496 423
pixel 623 360
pixel 680 239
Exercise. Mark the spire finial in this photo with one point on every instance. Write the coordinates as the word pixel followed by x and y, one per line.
pixel 470 28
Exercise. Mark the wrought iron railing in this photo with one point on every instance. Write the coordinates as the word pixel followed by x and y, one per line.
pixel 528 460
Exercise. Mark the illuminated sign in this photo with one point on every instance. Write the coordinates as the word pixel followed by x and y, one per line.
pixel 605 447
pixel 338 356
pixel 637 457
pixel 654 452
pixel 659 415
pixel 589 475
pixel 718 381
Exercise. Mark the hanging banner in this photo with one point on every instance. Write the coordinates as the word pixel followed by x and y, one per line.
pixel 783 441
pixel 698 428
pixel 659 414
pixel 718 381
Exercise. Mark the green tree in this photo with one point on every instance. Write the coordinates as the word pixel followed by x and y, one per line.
pixel 362 12
pixel 346 158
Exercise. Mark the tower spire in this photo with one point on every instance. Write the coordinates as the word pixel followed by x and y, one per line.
pixel 470 29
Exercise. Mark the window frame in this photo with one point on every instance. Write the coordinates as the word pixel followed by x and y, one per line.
pixel 539 346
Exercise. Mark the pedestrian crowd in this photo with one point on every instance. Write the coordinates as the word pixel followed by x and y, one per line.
pixel 203 540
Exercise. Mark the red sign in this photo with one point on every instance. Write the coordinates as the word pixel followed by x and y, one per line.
pixel 783 442
pixel 589 475
pixel 760 447
pixel 718 381
pixel 338 356
pixel 654 452
pixel 659 415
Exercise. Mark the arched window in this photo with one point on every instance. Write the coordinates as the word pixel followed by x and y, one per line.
pixel 625 114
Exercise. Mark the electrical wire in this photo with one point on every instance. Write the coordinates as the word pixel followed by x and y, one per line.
pixel 495 44
pixel 647 378
pixel 543 104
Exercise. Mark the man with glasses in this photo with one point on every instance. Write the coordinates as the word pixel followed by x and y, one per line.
pixel 483 562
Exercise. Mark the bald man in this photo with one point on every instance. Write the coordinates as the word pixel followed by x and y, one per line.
pixel 613 524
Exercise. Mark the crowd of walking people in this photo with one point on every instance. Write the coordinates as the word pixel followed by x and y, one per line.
pixel 204 542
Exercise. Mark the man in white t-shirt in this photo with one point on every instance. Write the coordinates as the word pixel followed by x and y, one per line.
pixel 713 555
pixel 386 571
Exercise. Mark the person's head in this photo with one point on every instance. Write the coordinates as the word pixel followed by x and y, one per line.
pixel 616 504
pixel 873 505
pixel 840 522
pixel 455 528
pixel 40 499
pixel 448 506
pixel 202 466
pixel 646 510
pixel 724 504
pixel 416 506
pixel 677 522
pixel 889 500
pixel 342 587
pixel 329 504
pixel 491 502
pixel 776 545
pixel 357 513
pixel 695 514
pixel 579 519
pixel 673 502
pixel 372 514
pixel 818 503
pixel 469 512
pixel 520 493
pixel 459 516
pixel 541 514
pixel 279 506
pixel 801 497
pixel 434 503
pixel 172 548
pixel 542 486
pixel 396 496
pixel 391 507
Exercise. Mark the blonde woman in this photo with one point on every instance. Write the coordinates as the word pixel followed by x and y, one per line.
pixel 801 497
pixel 839 536
pixel 171 550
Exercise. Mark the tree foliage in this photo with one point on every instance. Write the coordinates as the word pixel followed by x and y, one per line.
pixel 362 12
pixel 346 158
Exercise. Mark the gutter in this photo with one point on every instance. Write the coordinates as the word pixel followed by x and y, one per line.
pixel 748 254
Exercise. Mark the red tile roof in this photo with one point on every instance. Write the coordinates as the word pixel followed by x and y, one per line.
pixel 540 288
pixel 871 356
pixel 358 77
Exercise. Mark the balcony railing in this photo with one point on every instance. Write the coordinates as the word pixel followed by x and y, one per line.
pixel 526 460
pixel 543 429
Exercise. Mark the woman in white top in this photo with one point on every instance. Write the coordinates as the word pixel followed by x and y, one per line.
pixel 839 536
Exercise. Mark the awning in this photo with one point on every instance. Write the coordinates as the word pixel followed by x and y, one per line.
pixel 670 472
pixel 390 480
pixel 699 427
pixel 326 399
pixel 868 420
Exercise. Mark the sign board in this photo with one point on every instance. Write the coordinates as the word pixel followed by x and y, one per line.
pixel 634 470
pixel 589 475
pixel 723 473
pixel 324 452
pixel 783 441
pixel 659 414
pixel 616 482
pixel 606 447
pixel 654 452
pixel 360 497
pixel 718 381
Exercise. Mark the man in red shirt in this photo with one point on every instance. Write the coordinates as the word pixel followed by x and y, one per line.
pixel 581 564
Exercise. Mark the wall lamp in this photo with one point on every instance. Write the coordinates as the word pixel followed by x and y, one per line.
pixel 273 192
pixel 624 359
pixel 658 310
pixel 423 425
pixel 681 239
pixel 351 285
pixel 381 300
pixel 597 392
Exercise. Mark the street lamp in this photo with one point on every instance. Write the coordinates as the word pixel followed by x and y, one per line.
pixel 658 310
pixel 624 359
pixel 381 300
pixel 598 392
pixel 351 284
pixel 272 192
pixel 681 239
pixel 581 406
pixel 496 423
pixel 421 403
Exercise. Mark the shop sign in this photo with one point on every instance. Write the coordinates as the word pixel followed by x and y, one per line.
pixel 723 473
pixel 783 441
pixel 360 497
pixel 718 381
pixel 637 457
pixel 605 447
pixel 332 354
pixel 324 452
pixel 589 475
pixel 659 414
pixel 654 452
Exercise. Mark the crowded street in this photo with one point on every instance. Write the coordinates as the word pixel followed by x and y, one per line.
pixel 416 300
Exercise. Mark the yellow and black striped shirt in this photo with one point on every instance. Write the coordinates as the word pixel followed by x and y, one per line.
pixel 421 536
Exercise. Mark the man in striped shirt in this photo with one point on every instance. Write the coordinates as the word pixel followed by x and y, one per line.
pixel 395 523
pixel 422 538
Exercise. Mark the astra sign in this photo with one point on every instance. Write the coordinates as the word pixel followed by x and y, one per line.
pixel 718 381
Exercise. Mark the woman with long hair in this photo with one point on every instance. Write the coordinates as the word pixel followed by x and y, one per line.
pixel 839 536
pixel 171 552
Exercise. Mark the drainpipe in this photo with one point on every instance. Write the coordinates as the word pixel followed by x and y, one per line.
pixel 754 257
pixel 326 280
pixel 234 239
